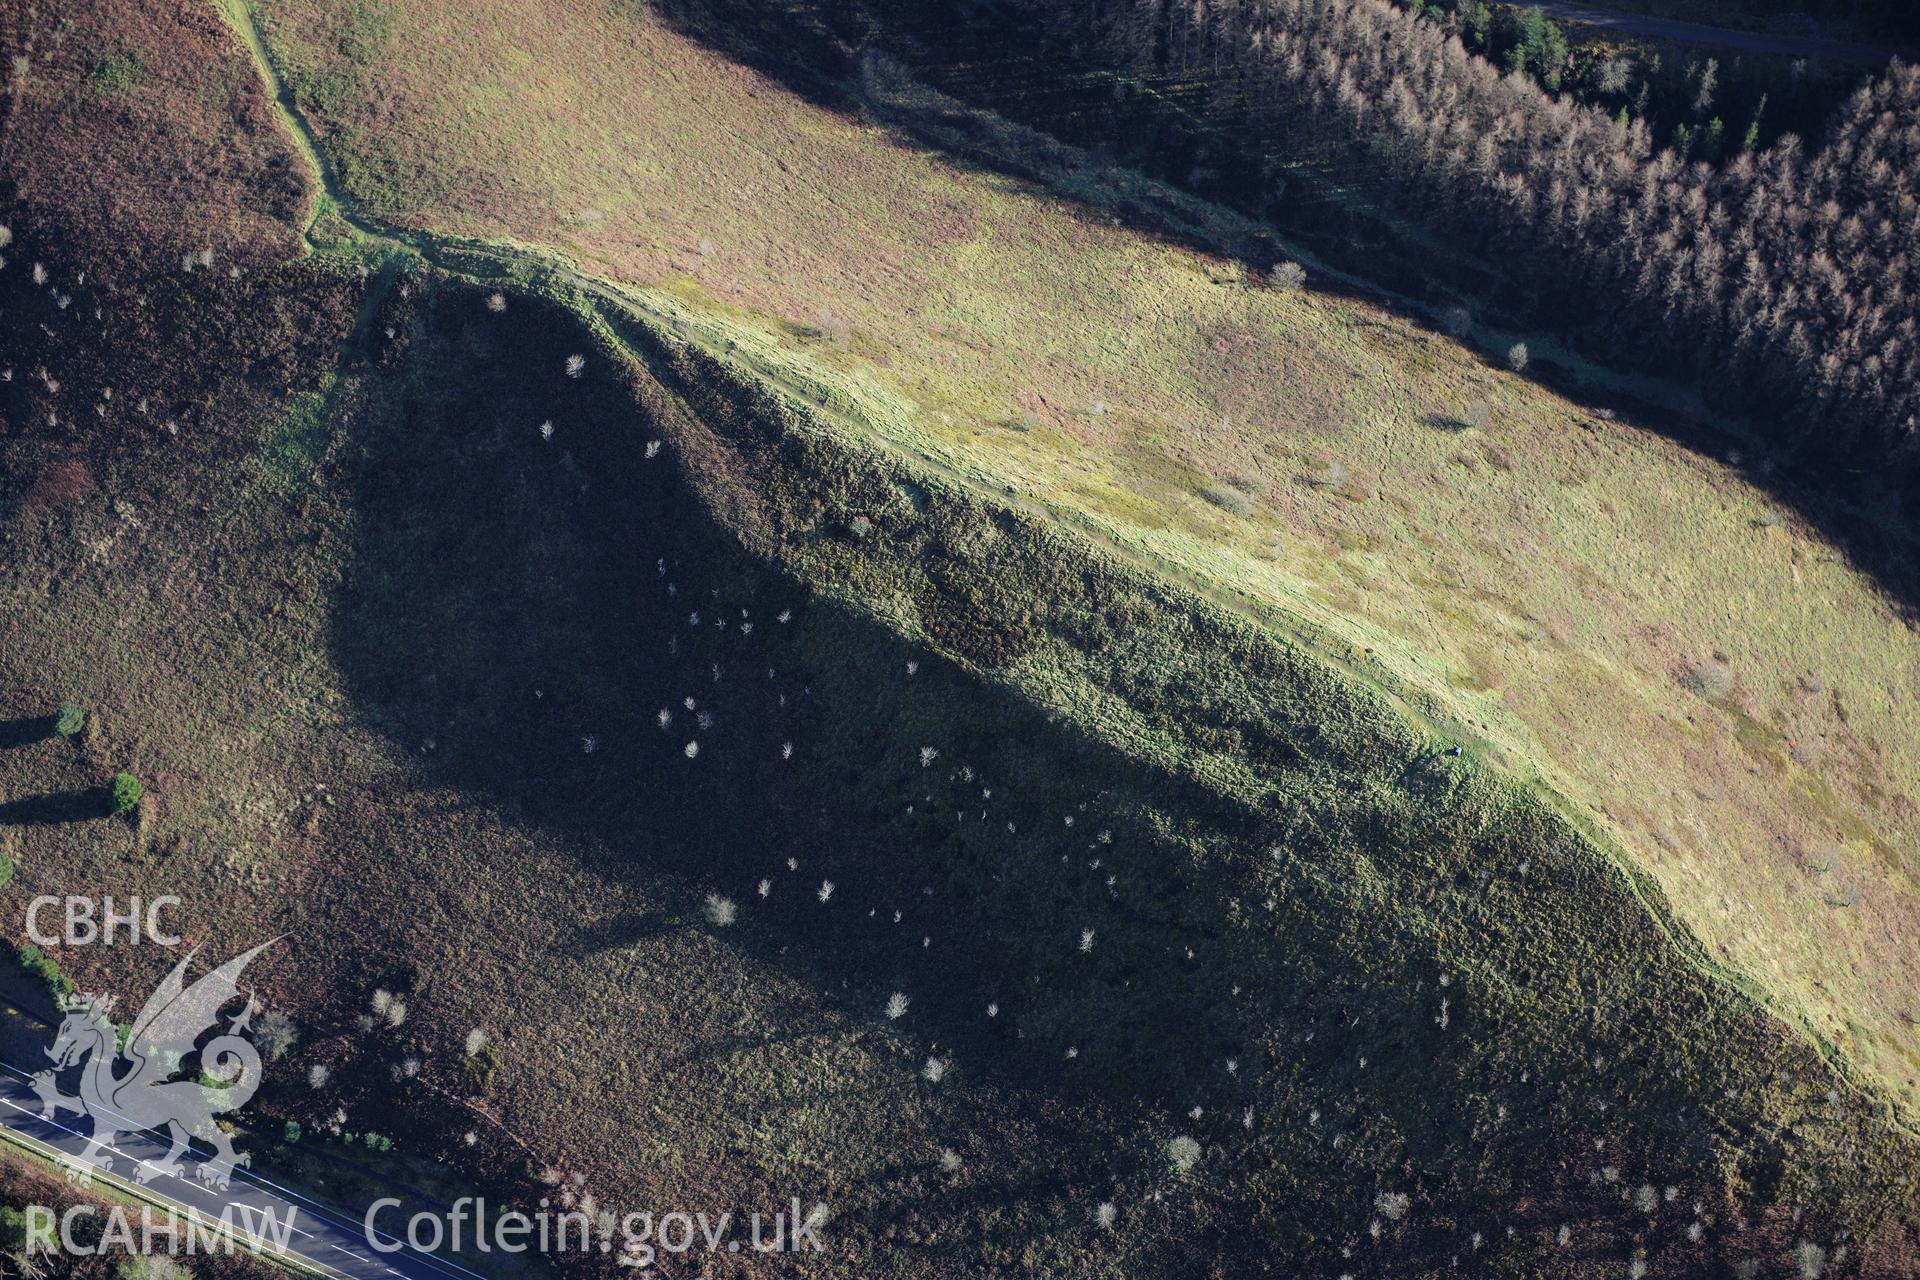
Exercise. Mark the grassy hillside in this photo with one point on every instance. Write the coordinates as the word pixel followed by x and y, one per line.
pixel 394 657
pixel 1345 962
pixel 1638 626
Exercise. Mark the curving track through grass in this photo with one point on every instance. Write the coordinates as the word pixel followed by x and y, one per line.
pixel 860 412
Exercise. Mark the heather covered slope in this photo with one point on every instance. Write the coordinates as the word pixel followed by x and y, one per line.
pixel 1143 866
pixel 1641 628
pixel 147 128
pixel 1140 870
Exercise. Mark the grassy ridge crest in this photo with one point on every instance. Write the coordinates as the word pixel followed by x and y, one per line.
pixel 1194 690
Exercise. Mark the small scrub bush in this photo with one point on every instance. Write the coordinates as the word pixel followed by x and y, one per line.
pixel 1184 1152
pixel 1517 357
pixel 1289 276
pixel 70 720
pixel 275 1034
pixel 37 963
pixel 897 1005
pixel 388 1007
pixel 1475 415
pixel 1710 678
pixel 1226 499
pixel 721 911
pixel 149 1266
pixel 125 791
pixel 116 74
pixel 481 1059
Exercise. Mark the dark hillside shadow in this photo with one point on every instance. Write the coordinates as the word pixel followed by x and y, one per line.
pixel 524 610
pixel 624 932
pixel 526 606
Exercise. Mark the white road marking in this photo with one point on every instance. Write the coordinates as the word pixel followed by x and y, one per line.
pixel 319 1211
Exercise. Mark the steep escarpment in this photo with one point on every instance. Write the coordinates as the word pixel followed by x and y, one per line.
pixel 795 806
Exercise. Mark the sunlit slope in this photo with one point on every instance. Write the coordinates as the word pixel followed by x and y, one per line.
pixel 1638 626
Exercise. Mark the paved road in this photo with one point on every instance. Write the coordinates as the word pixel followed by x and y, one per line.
pixel 318 1238
pixel 1698 33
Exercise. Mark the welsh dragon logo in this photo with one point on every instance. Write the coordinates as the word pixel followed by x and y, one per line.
pixel 128 1086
